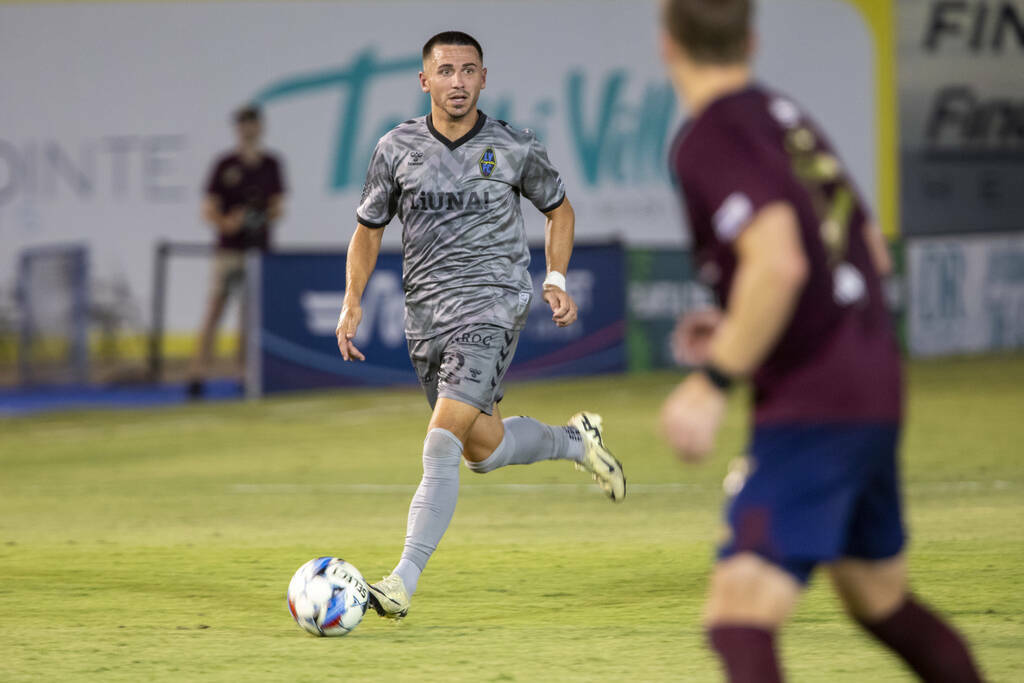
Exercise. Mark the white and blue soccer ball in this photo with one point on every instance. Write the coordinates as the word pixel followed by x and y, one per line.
pixel 327 596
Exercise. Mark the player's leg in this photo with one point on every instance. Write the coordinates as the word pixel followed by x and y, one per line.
pixel 521 440
pixel 789 515
pixel 871 579
pixel 432 506
pixel 243 325
pixel 440 365
pixel 495 442
pixel 220 289
pixel 749 600
pixel 875 594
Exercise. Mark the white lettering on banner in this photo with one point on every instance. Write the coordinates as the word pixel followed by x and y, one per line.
pixel 961 116
pixel 113 167
pixel 966 294
pixel 383 311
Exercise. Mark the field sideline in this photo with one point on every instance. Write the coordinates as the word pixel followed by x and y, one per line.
pixel 157 544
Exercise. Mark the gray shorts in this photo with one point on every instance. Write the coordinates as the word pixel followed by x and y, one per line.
pixel 466 364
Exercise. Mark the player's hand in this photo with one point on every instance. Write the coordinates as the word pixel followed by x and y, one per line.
pixel 691 415
pixel 348 323
pixel 563 308
pixel 233 221
pixel 691 338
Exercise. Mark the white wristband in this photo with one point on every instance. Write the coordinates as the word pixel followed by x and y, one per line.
pixel 555 279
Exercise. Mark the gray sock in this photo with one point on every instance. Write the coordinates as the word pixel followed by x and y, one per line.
pixel 433 504
pixel 527 441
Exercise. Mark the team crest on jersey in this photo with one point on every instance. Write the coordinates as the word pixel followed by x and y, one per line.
pixel 415 158
pixel 488 160
pixel 231 176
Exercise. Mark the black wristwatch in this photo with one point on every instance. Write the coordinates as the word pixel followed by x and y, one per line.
pixel 721 380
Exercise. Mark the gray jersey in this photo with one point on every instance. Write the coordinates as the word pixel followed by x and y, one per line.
pixel 464 248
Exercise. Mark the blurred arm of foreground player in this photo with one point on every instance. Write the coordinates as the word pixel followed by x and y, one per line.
pixel 771 272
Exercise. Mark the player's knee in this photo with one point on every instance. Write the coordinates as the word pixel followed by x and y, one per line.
pixel 870 591
pixel 747 589
pixel 480 466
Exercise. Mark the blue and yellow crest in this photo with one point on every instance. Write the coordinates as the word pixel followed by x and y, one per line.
pixel 488 161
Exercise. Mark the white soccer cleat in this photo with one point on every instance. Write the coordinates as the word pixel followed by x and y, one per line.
pixel 389 597
pixel 597 459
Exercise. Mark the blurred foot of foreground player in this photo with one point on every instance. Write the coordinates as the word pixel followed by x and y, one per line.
pixel 786 243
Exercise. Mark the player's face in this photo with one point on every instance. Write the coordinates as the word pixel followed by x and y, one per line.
pixel 454 77
pixel 249 132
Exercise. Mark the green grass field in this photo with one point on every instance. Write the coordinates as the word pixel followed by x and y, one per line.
pixel 157 544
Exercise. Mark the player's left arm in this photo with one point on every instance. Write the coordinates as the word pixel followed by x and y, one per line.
pixel 559 231
pixel 771 271
pixel 275 204
pixel 275 207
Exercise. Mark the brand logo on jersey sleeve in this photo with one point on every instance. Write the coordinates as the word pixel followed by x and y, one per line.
pixel 488 160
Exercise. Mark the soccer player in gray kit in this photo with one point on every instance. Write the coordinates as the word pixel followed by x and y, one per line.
pixel 454 179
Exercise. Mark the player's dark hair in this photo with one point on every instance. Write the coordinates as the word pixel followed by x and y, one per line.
pixel 249 112
pixel 711 31
pixel 452 38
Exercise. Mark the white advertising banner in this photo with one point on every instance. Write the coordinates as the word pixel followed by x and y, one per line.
pixel 966 294
pixel 112 112
pixel 961 116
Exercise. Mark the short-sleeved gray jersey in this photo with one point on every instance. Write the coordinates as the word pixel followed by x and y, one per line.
pixel 464 248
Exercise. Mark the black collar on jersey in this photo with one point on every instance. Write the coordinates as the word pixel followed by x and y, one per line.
pixel 481 118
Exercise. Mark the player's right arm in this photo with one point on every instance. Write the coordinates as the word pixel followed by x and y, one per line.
pixel 878 248
pixel 359 264
pixel 376 209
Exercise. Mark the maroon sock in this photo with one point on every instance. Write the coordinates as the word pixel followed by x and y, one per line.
pixel 748 653
pixel 934 650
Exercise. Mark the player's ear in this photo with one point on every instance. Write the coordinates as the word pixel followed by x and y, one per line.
pixel 483 77
pixel 424 84
pixel 752 45
pixel 668 48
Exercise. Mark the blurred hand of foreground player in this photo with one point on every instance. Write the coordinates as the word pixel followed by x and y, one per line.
pixel 348 323
pixel 691 415
pixel 691 338
pixel 563 308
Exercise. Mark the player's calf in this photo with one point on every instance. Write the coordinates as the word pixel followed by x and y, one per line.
pixel 928 645
pixel 523 441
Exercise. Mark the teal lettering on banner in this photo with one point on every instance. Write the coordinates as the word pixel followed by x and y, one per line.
pixel 615 140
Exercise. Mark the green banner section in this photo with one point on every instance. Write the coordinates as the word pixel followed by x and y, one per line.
pixel 660 287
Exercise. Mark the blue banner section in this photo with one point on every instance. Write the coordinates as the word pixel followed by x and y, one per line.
pixel 301 295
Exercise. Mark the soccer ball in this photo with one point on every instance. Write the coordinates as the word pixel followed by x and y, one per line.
pixel 327 596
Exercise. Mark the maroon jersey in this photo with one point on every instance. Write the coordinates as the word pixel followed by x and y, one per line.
pixel 250 187
pixel 837 360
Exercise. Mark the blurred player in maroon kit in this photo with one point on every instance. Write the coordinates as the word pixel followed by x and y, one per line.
pixel 782 237
pixel 244 199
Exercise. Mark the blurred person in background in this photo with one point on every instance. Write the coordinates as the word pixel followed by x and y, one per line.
pixel 790 249
pixel 243 202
